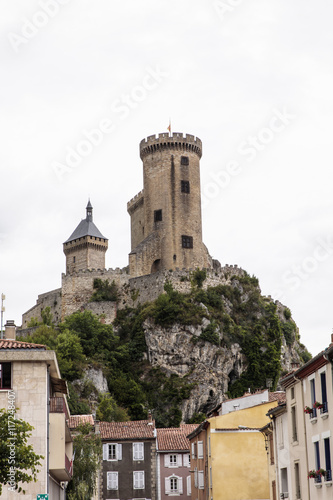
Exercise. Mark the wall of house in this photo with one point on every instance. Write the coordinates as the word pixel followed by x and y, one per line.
pixel 297 447
pixel 29 382
pixel 319 428
pixel 126 466
pixel 181 471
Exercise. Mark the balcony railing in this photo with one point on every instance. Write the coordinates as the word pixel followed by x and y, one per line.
pixel 324 408
pixel 68 466
pixel 328 475
pixel 317 479
pixel 58 405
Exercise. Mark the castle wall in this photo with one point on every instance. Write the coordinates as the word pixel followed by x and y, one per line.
pixel 49 299
pixel 77 289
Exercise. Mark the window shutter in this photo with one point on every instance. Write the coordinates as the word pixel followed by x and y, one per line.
pixel 195 477
pixel 201 480
pixel 186 460
pixel 114 480
pixel 166 460
pixel 180 485
pixel 167 486
pixel 188 481
pixel 179 460
pixel 193 450
pixel 141 480
pixel 200 449
pixel 119 451
pixel 109 481
pixel 135 480
pixel 138 451
pixel 105 451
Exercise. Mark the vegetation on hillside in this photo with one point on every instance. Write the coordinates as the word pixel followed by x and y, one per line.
pixel 233 313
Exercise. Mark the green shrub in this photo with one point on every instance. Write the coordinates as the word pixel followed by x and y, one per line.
pixel 104 291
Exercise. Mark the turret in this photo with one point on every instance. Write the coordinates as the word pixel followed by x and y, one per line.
pixel 86 247
pixel 166 229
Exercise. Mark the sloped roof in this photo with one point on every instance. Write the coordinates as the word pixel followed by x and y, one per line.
pixel 86 227
pixel 137 429
pixel 173 438
pixel 17 345
pixel 279 396
pixel 75 420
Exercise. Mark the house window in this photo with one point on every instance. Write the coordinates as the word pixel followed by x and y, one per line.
pixel 297 481
pixel 194 450
pixel 112 451
pixel 210 478
pixel 201 481
pixel 138 480
pixel 187 241
pixel 5 376
pixel 184 160
pixel 157 215
pixel 185 186
pixel 112 480
pixel 173 460
pixel 293 393
pixel 138 451
pixel 284 481
pixel 209 451
pixel 328 459
pixel 294 423
pixel 324 409
pixel 317 454
pixel 173 485
pixel 313 397
pixel 74 259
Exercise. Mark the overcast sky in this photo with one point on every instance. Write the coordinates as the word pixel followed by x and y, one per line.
pixel 83 81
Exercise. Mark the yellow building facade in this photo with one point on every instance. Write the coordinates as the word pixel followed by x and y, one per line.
pixel 236 458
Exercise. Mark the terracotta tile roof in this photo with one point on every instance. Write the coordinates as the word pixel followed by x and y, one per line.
pixel 75 420
pixel 175 438
pixel 16 344
pixel 279 396
pixel 138 429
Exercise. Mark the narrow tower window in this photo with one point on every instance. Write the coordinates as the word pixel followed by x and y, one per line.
pixel 187 241
pixel 157 215
pixel 185 186
pixel 184 160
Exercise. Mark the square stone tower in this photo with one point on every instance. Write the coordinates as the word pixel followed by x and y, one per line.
pixel 166 229
pixel 86 246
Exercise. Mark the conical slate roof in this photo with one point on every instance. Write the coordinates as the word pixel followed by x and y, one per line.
pixel 86 227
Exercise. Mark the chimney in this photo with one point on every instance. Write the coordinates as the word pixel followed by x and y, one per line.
pixel 10 330
pixel 150 418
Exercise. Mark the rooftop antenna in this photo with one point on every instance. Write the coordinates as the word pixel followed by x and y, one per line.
pixel 3 297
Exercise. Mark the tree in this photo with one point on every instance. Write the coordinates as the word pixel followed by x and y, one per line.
pixel 88 450
pixel 18 462
pixel 109 411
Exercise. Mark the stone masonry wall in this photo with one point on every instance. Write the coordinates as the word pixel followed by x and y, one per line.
pixel 77 289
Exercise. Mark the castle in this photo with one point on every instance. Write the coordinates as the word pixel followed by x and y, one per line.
pixel 166 237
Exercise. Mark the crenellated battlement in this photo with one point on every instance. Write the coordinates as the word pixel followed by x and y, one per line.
pixel 175 141
pixel 135 202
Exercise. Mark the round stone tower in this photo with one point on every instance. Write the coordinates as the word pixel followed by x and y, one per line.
pixel 166 224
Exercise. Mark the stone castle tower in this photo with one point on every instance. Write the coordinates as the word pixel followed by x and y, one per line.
pixel 166 229
pixel 86 247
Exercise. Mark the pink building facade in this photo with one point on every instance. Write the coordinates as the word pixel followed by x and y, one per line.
pixel 173 462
